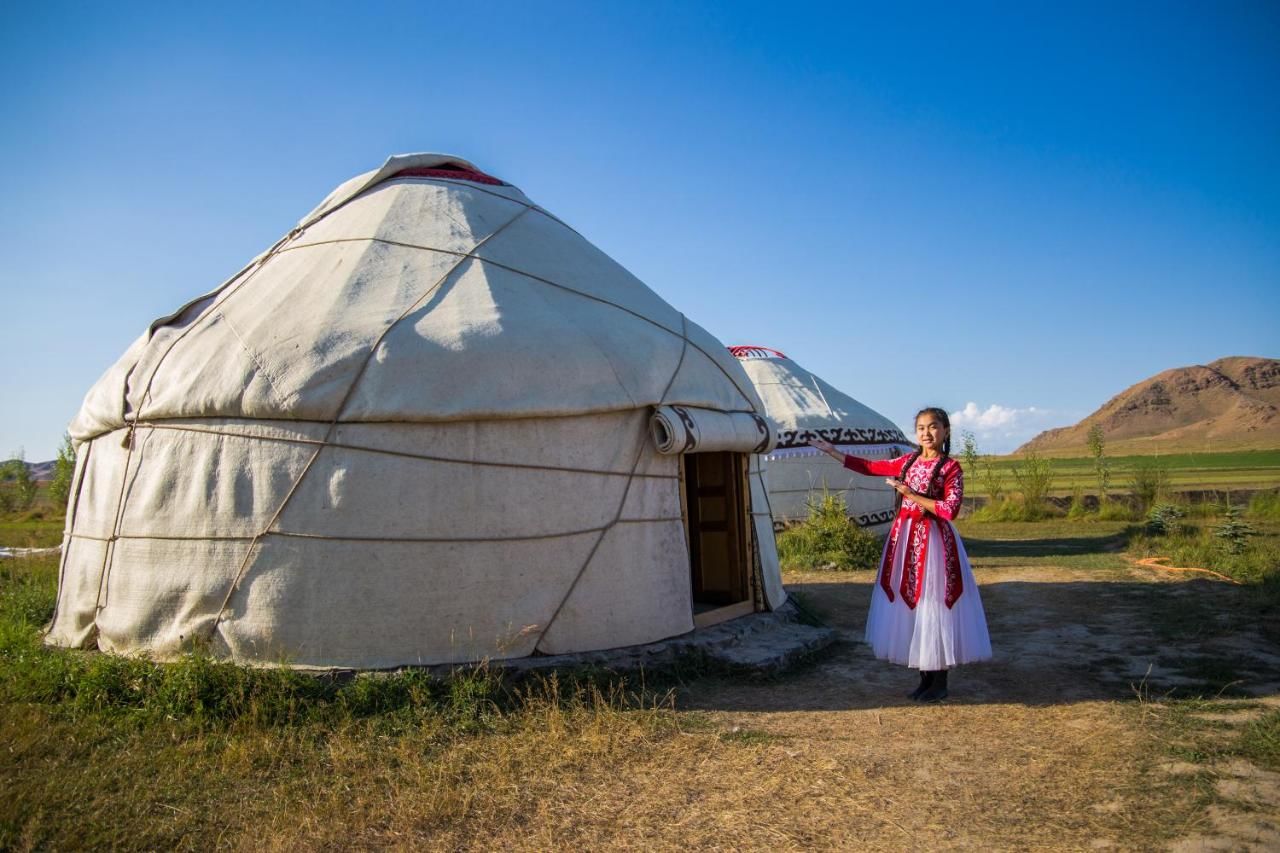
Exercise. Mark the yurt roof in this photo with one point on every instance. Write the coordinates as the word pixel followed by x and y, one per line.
pixel 801 403
pixel 424 290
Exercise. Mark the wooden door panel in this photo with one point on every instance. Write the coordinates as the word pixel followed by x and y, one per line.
pixel 716 505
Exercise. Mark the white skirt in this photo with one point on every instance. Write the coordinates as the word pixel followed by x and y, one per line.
pixel 932 636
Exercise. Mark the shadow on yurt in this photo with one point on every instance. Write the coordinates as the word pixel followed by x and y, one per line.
pixel 431 424
pixel 804 407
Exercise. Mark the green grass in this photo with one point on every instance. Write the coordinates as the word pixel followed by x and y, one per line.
pixel 1015 509
pixel 1245 469
pixel 31 532
pixel 209 692
pixel 1194 544
pixel 1059 542
pixel 1265 506
pixel 107 751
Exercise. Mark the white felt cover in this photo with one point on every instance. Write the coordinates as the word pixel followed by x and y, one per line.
pixel 416 430
pixel 803 405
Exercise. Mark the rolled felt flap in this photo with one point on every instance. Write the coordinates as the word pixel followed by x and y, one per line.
pixel 685 429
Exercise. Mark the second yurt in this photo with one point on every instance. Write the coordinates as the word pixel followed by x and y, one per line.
pixel 804 406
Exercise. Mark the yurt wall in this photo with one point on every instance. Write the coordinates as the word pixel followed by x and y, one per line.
pixel 418 429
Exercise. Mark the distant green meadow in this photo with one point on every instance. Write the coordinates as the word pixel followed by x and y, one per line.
pixel 1243 469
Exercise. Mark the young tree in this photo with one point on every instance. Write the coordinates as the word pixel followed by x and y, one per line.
pixel 991 481
pixel 969 453
pixel 1034 478
pixel 1149 481
pixel 1101 465
pixel 1234 531
pixel 17 489
pixel 64 469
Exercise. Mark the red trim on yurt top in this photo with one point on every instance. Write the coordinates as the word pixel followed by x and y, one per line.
pixel 752 351
pixel 454 173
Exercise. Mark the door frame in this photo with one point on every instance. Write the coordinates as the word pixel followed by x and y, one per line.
pixel 741 506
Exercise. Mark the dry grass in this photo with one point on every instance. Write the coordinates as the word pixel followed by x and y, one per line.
pixel 1048 747
pixel 1044 778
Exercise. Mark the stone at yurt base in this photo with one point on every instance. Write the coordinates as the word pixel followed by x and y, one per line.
pixel 804 406
pixel 419 429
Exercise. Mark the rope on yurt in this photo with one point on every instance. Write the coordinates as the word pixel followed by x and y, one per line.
pixel 231 286
pixel 333 424
pixel 237 282
pixel 641 445
pixel 286 534
pixel 683 334
pixel 403 454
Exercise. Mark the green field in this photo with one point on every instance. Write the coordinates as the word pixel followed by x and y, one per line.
pixel 1245 469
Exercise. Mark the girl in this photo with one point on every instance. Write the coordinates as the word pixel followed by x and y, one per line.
pixel 925 609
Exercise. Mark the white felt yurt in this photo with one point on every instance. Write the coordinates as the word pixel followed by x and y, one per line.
pixel 431 424
pixel 804 406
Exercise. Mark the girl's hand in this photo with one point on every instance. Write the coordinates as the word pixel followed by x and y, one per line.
pixel 899 487
pixel 825 446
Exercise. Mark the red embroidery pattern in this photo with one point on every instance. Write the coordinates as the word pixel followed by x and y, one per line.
pixel 955 580
pixel 451 172
pixel 886 562
pixel 913 568
pixel 919 478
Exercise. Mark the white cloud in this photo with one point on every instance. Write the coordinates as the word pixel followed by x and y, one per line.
pixel 1001 429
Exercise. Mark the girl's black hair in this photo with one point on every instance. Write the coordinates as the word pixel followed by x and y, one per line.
pixel 941 415
pixel 935 482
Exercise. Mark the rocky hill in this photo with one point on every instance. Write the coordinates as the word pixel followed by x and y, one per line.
pixel 1230 404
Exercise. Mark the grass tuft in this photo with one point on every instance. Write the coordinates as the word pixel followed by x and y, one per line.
pixel 1265 506
pixel 1015 509
pixel 827 539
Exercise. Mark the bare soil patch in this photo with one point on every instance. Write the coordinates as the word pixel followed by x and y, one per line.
pixel 1057 744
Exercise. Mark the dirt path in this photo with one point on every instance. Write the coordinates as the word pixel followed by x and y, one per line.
pixel 1062 742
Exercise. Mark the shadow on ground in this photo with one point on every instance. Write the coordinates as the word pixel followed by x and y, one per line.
pixel 1059 636
pixel 1064 546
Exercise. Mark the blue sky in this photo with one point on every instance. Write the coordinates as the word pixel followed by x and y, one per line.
pixel 1010 205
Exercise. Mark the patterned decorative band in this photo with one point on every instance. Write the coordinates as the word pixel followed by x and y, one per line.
pixel 869 518
pixel 839 435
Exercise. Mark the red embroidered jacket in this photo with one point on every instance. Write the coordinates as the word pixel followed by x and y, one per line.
pixel 948 492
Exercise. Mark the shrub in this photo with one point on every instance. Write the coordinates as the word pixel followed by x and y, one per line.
pixel 64 468
pixel 1265 505
pixel 1163 519
pixel 1034 478
pixel 991 481
pixel 1234 532
pixel 1149 480
pixel 1013 510
pixel 1113 510
pixel 828 539
pixel 1077 511
pixel 17 489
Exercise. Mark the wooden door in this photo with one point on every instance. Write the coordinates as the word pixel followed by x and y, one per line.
pixel 719 549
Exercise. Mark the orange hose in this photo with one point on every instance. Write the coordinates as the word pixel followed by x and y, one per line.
pixel 1154 563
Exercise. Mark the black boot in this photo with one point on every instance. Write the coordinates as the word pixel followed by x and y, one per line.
pixel 938 689
pixel 926 681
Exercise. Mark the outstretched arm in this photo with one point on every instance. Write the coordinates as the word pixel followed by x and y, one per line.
pixel 870 467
